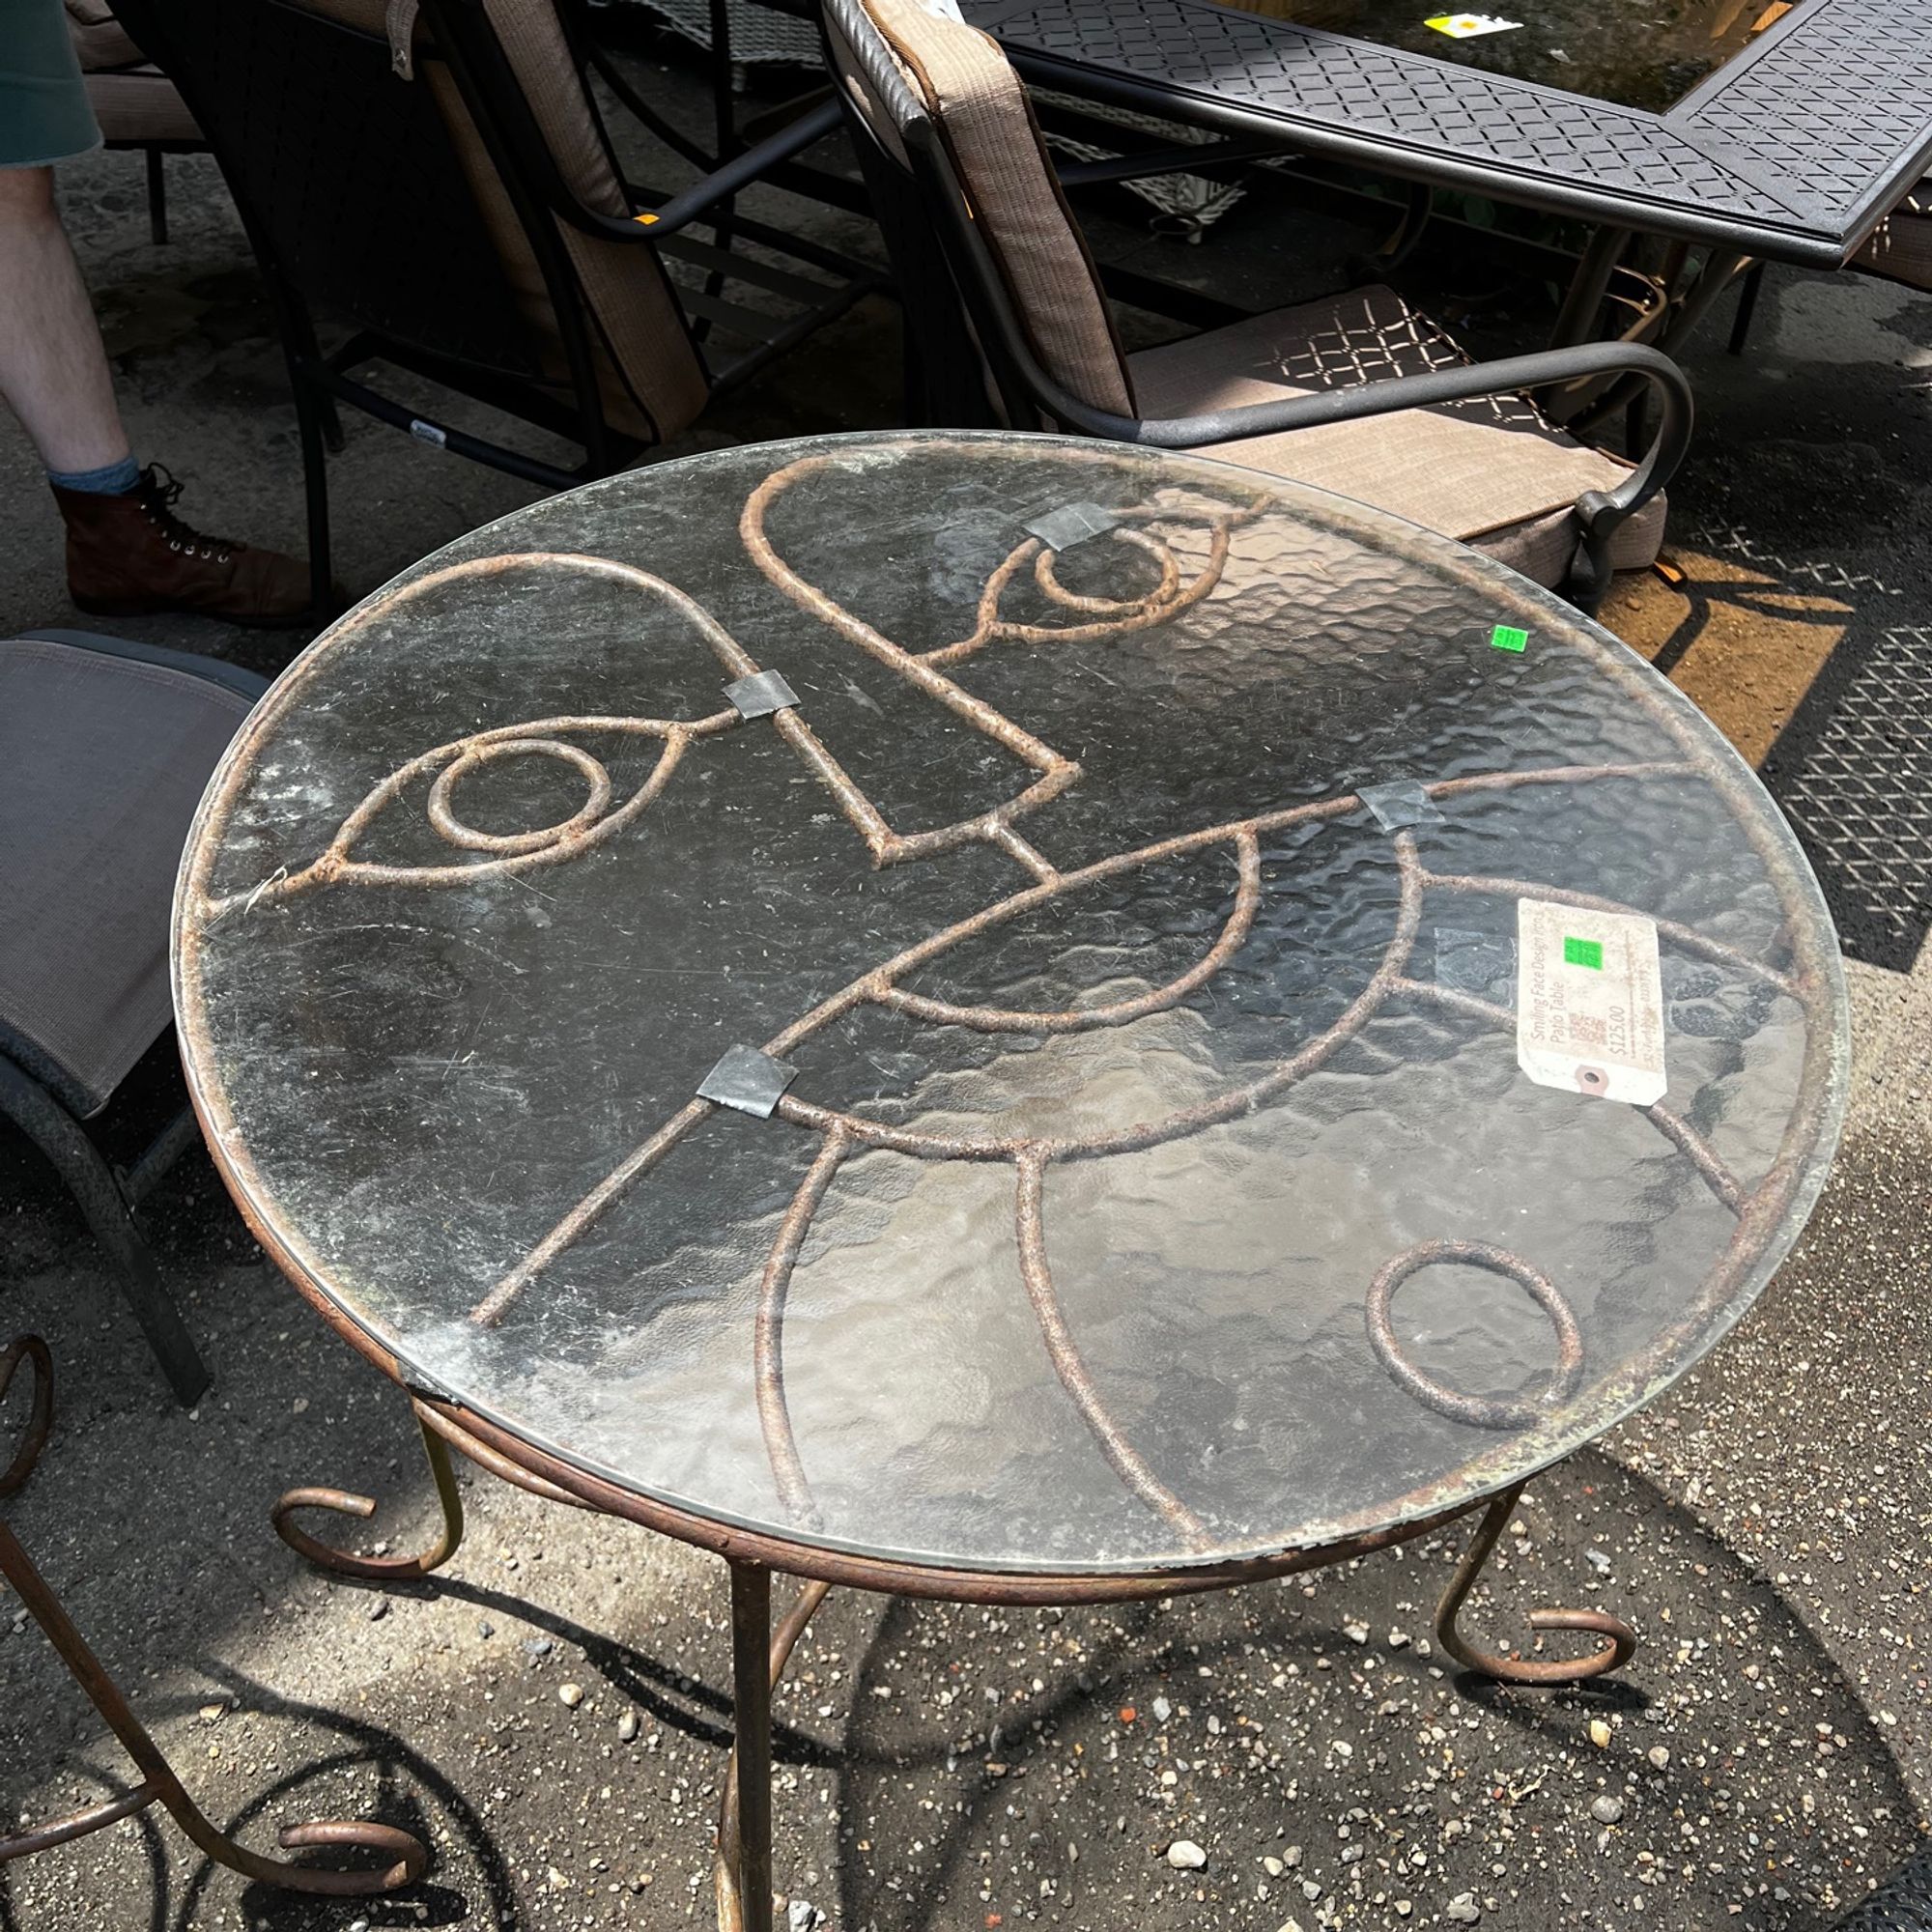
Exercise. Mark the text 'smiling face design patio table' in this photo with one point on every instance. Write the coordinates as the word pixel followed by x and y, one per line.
pixel 1020 1093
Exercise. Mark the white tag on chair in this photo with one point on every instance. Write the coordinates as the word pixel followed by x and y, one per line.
pixel 944 10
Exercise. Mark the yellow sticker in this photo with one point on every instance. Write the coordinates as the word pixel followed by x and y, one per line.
pixel 1467 26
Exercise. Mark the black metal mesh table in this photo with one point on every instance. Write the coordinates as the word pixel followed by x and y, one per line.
pixel 1004 1017
pixel 1784 132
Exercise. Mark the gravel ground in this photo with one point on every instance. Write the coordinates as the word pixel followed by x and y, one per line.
pixel 1295 1756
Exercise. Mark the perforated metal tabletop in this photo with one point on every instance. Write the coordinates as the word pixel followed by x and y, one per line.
pixel 1792 147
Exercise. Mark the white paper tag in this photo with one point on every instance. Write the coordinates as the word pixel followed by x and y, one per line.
pixel 1467 26
pixel 1589 1002
pixel 944 10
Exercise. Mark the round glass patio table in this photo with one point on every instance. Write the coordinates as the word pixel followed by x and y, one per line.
pixel 1141 919
pixel 1004 1015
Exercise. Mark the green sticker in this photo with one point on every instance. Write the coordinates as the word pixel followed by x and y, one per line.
pixel 1583 953
pixel 1506 638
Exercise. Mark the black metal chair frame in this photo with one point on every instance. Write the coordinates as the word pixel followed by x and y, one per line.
pixel 157 180
pixel 110 1196
pixel 949 280
pixel 465 40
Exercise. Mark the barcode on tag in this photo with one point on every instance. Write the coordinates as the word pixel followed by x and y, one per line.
pixel 1589 1002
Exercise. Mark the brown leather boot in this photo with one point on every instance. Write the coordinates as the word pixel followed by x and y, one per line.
pixel 130 556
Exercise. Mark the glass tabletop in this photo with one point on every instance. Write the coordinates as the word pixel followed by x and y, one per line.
pixel 1008 1004
pixel 1647 54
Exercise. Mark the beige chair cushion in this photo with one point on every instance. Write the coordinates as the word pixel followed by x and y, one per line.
pixel 100 40
pixel 102 761
pixel 1491 472
pixel 650 376
pixel 1900 248
pixel 139 104
pixel 982 114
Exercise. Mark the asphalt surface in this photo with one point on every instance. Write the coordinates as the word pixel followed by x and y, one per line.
pixel 1765 1525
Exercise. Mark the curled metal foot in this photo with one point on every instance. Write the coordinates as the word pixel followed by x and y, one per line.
pixel 1610 1656
pixel 381 1568
pixel 404 1859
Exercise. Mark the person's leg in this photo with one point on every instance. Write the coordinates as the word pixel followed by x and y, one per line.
pixel 53 371
pixel 127 554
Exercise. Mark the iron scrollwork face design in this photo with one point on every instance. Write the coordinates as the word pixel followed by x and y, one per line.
pixel 1180 547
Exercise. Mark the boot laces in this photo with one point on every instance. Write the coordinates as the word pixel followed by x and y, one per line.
pixel 160 491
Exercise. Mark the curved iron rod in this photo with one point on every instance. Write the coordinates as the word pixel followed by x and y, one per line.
pixel 496 1463
pixel 28 1348
pixel 380 1569
pixel 1608 1657
pixel 1063 1352
pixel 794 1487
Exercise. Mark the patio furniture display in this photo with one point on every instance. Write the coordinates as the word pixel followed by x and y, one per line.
pixel 1783 131
pixel 1163 1027
pixel 106 746
pixel 1360 393
pixel 443 183
pixel 136 104
pixel 159 1782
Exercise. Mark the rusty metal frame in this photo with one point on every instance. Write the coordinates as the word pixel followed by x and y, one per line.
pixel 406 1858
pixel 742 1868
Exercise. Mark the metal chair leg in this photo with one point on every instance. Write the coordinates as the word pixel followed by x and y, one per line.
pixel 89 1179
pixel 381 1568
pixel 310 421
pixel 406 1858
pixel 1612 1656
pixel 157 199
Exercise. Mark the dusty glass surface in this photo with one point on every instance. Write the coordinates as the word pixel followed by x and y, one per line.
pixel 1638 53
pixel 1137 1055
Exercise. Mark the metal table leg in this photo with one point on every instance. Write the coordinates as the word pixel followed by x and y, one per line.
pixel 1576 320
pixel 404 1857
pixel 1611 1655
pixel 751 1722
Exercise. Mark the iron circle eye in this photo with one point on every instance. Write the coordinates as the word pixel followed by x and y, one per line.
pixel 1483 1411
pixel 443 815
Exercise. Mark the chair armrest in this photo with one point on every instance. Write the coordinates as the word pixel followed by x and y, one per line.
pixel 469 42
pixel 1599 511
pixel 739 172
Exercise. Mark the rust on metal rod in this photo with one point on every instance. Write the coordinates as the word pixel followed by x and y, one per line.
pixel 768 1332
pixel 1123 1458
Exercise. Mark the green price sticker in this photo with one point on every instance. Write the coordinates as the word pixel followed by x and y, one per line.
pixel 1506 638
pixel 1583 953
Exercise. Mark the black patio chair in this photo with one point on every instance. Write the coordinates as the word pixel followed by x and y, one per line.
pixel 105 747
pixel 443 183
pixel 1360 393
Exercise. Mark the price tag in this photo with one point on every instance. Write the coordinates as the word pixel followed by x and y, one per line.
pixel 1589 1002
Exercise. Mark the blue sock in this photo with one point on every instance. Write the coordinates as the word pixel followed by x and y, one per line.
pixel 113 480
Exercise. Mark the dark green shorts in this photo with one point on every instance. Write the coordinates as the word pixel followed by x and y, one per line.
pixel 43 111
